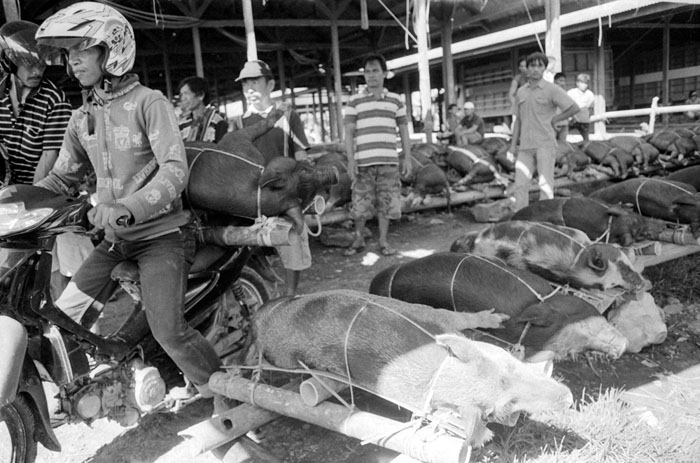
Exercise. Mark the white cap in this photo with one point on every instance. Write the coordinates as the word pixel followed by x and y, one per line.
pixel 469 105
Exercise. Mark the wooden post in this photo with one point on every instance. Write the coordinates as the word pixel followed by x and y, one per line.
pixel 448 67
pixel 599 90
pixel 552 41
pixel 321 111
pixel 338 89
pixel 251 45
pixel 280 73
pixel 199 67
pixel 166 69
pixel 11 8
pixel 409 102
pixel 665 64
pixel 420 24
pixel 332 123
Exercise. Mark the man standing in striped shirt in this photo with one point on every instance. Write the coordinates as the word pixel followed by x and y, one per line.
pixel 371 119
pixel 34 113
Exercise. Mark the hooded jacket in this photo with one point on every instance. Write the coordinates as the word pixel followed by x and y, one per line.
pixel 132 140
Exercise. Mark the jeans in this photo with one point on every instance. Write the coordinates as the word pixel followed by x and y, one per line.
pixel 527 161
pixel 163 264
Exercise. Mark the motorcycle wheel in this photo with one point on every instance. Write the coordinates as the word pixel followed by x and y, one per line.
pixel 228 329
pixel 17 444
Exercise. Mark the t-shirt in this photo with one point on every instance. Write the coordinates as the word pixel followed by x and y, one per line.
pixel 376 121
pixel 536 105
pixel 39 127
pixel 211 128
pixel 474 120
pixel 584 100
pixel 284 139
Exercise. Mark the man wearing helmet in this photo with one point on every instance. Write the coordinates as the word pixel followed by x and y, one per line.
pixel 34 112
pixel 129 134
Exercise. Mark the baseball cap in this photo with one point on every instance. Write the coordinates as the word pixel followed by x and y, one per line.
pixel 469 105
pixel 254 69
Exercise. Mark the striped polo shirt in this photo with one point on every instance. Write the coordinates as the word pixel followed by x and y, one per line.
pixel 39 127
pixel 376 121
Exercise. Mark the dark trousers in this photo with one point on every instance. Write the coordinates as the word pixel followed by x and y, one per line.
pixel 582 127
pixel 163 264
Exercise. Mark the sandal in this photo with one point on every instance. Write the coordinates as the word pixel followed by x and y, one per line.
pixel 387 251
pixel 351 251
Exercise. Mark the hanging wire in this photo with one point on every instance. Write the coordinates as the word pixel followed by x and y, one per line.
pixel 537 37
pixel 391 13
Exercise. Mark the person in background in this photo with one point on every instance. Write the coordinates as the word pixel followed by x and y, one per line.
pixel 288 139
pixel 518 81
pixel 454 117
pixel 693 99
pixel 371 119
pixel 199 120
pixel 584 98
pixel 471 127
pixel 534 138
pixel 128 134
pixel 562 127
pixel 34 113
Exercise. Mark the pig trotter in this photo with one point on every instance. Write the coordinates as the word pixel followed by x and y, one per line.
pixel 489 319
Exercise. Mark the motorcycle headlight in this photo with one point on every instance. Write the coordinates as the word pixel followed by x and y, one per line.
pixel 14 218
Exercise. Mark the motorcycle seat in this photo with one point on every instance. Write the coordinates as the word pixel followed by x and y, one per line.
pixel 128 270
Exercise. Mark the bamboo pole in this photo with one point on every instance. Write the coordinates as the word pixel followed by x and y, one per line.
pixel 197 44
pixel 420 24
pixel 423 444
pixel 251 44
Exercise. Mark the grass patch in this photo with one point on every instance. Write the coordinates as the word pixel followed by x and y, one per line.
pixel 600 430
pixel 678 278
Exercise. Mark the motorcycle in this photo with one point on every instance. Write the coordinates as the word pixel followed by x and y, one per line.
pixel 121 375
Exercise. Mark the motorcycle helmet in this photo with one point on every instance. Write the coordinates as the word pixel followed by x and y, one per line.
pixel 18 46
pixel 88 24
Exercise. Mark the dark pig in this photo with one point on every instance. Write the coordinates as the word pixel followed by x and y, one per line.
pixel 662 199
pixel 231 177
pixel 427 178
pixel 599 152
pixel 340 193
pixel 498 148
pixel 405 353
pixel 673 147
pixel 593 217
pixel 688 175
pixel 561 254
pixel 569 159
pixel 563 324
pixel 475 164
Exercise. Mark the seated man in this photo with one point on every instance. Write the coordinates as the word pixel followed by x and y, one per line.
pixel 471 128
pixel 692 99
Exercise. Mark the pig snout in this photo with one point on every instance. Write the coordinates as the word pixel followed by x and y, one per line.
pixel 591 333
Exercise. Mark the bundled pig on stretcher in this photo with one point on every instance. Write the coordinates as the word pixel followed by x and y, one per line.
pixel 668 200
pixel 559 254
pixel 427 177
pixel 597 219
pixel 541 319
pixel 408 354
pixel 231 177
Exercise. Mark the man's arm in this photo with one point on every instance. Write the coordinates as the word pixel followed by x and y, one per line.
pixel 46 162
pixel 570 111
pixel 407 167
pixel 169 150
pixel 350 149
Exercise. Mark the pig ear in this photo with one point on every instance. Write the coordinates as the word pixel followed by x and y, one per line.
pixel 616 211
pixel 595 260
pixel 464 349
pixel 687 200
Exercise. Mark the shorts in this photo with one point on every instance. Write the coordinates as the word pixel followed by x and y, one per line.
pixel 296 256
pixel 377 189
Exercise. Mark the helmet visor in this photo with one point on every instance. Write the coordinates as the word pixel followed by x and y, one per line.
pixel 63 44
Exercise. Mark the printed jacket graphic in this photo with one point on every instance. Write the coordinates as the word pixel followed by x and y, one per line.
pixel 133 143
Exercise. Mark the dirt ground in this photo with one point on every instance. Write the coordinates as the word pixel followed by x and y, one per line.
pixel 155 439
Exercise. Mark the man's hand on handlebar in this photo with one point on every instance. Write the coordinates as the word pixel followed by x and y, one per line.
pixel 113 215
